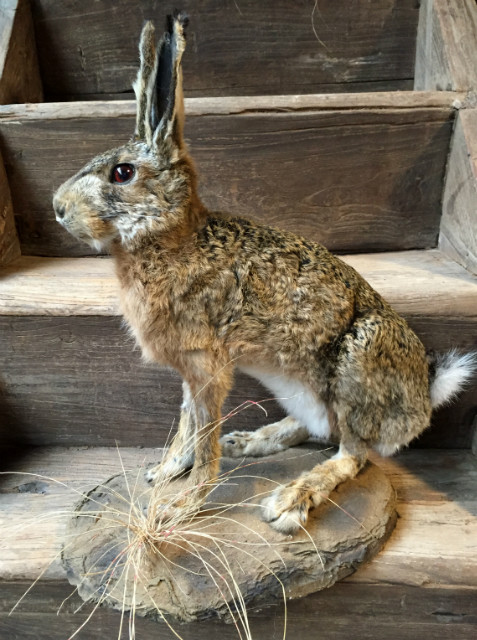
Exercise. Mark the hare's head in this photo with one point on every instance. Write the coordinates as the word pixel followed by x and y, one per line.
pixel 146 187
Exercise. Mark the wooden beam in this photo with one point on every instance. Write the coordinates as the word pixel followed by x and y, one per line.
pixel 358 180
pixel 227 105
pixel 241 48
pixel 19 73
pixel 9 243
pixel 390 611
pixel 447 46
pixel 458 232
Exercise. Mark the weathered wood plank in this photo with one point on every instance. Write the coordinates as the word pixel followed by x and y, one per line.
pixel 235 48
pixel 358 180
pixel 446 45
pixel 414 282
pixel 19 72
pixel 78 380
pixel 225 105
pixel 458 232
pixel 433 543
pixel 9 243
pixel 393 612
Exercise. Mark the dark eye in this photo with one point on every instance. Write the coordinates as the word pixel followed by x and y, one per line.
pixel 123 172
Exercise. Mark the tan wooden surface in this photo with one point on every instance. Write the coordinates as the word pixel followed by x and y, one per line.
pixel 9 243
pixel 358 180
pixel 59 286
pixel 433 544
pixel 446 46
pixel 238 47
pixel 414 282
pixel 458 233
pixel 226 105
pixel 19 72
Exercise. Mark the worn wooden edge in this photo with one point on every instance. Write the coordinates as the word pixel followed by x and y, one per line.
pixel 394 100
pixel 372 611
pixel 9 242
pixel 458 229
pixel 446 46
pixel 415 282
pixel 20 79
pixel 433 544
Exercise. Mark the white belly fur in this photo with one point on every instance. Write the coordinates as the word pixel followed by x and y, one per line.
pixel 297 400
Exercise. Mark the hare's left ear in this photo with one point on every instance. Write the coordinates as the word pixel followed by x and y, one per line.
pixel 158 88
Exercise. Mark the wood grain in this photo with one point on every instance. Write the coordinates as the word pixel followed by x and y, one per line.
pixel 365 179
pixel 393 612
pixel 234 48
pixel 396 100
pixel 78 380
pixel 414 282
pixel 432 545
pixel 446 45
pixel 19 72
pixel 458 233
pixel 9 243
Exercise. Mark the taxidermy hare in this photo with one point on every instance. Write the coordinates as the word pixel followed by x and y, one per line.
pixel 205 293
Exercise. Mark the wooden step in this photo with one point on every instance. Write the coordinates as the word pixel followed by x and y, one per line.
pixel 357 173
pixel 423 581
pixel 245 48
pixel 70 373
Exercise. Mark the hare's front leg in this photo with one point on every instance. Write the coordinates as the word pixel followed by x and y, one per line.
pixel 264 441
pixel 209 396
pixel 287 507
pixel 207 388
pixel 180 455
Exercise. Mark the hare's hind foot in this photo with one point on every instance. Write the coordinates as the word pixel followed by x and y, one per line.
pixel 288 506
pixel 265 441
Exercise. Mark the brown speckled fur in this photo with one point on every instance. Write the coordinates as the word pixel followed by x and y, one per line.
pixel 204 293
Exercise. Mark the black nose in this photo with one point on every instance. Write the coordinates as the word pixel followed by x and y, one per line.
pixel 60 211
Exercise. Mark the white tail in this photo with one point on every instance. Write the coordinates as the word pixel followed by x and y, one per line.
pixel 452 371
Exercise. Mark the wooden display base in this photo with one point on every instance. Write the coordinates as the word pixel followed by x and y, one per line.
pixel 341 534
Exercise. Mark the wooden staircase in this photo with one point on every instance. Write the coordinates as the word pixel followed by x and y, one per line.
pixel 301 115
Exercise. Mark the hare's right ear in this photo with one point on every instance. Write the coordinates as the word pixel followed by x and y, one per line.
pixel 160 102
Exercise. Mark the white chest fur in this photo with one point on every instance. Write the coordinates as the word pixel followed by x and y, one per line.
pixel 297 400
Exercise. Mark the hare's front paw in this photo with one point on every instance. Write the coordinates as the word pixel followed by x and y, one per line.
pixel 171 513
pixel 171 467
pixel 286 509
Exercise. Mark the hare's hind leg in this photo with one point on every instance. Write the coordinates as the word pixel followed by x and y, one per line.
pixel 307 417
pixel 286 509
pixel 379 396
pixel 266 440
pixel 180 455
